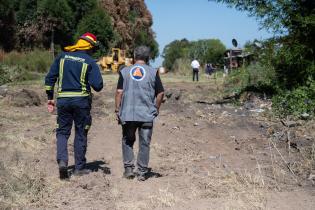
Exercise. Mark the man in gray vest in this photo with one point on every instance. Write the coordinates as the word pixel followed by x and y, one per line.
pixel 137 102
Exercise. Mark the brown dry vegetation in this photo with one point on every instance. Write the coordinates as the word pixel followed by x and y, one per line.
pixel 125 23
pixel 203 156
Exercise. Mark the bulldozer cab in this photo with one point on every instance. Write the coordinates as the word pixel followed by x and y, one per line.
pixel 115 53
pixel 115 61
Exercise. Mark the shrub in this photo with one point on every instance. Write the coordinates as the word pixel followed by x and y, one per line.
pixel 99 23
pixel 182 66
pixel 10 74
pixel 33 61
pixel 296 102
pixel 255 77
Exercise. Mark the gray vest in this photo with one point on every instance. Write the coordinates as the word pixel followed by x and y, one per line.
pixel 138 100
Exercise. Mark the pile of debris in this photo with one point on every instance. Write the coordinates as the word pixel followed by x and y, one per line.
pixel 21 98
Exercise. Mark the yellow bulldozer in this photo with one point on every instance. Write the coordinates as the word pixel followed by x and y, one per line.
pixel 115 61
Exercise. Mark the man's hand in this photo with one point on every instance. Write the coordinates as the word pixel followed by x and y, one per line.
pixel 50 106
pixel 117 116
pixel 118 97
pixel 159 100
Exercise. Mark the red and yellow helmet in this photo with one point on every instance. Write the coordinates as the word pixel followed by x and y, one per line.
pixel 91 38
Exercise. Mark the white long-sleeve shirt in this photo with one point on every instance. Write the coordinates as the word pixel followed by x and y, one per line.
pixel 195 64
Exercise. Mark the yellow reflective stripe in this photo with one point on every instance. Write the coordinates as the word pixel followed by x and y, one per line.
pixel 72 94
pixel 82 79
pixel 61 65
pixel 49 87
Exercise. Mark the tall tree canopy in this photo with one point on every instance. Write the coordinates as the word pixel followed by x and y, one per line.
pixel 175 50
pixel 7 25
pixel 98 22
pixel 294 45
pixel 27 24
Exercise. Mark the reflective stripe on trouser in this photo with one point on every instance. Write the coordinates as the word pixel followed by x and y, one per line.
pixel 129 137
pixel 82 121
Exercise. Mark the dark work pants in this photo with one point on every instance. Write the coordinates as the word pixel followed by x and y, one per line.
pixel 67 114
pixel 128 140
pixel 195 74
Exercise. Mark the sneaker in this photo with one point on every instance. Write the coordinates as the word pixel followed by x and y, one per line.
pixel 141 177
pixel 129 174
pixel 63 170
pixel 81 172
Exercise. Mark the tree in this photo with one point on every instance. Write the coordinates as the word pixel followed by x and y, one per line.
pixel 207 51
pixel 99 23
pixel 294 23
pixel 175 50
pixel 57 20
pixel 143 38
pixel 81 8
pixel 26 11
pixel 7 25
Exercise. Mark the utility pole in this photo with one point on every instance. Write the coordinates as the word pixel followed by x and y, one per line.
pixel 52 45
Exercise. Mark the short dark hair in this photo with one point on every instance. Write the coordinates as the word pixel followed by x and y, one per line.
pixel 142 53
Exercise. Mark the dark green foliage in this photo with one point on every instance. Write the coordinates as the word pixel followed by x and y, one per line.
pixel 291 53
pixel 7 25
pixel 30 24
pixel 81 8
pixel 57 11
pixel 296 102
pixel 26 11
pixel 175 50
pixel 143 38
pixel 255 77
pixel 97 22
pixel 292 66
pixel 59 18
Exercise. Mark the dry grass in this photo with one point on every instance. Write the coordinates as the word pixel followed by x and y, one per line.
pixel 163 198
pixel 242 190
pixel 21 182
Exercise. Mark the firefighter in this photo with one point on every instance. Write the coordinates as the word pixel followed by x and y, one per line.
pixel 75 72
pixel 138 99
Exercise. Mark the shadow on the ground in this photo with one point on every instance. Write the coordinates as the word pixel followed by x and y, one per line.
pixel 153 174
pixel 95 166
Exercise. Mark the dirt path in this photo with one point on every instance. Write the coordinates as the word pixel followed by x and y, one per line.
pixel 202 157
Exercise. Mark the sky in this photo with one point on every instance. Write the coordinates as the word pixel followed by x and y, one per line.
pixel 201 19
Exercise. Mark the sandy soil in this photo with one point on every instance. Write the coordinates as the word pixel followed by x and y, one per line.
pixel 202 157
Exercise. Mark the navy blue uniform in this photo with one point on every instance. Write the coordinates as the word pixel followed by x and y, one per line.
pixel 75 73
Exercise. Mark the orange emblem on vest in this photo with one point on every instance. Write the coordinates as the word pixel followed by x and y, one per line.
pixel 137 73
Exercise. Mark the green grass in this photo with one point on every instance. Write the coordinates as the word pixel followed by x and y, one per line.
pixel 33 61
pixel 17 67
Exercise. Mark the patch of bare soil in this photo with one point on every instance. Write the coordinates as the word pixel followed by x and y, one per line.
pixel 23 98
pixel 203 156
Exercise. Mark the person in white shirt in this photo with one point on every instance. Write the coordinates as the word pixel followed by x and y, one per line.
pixel 195 66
